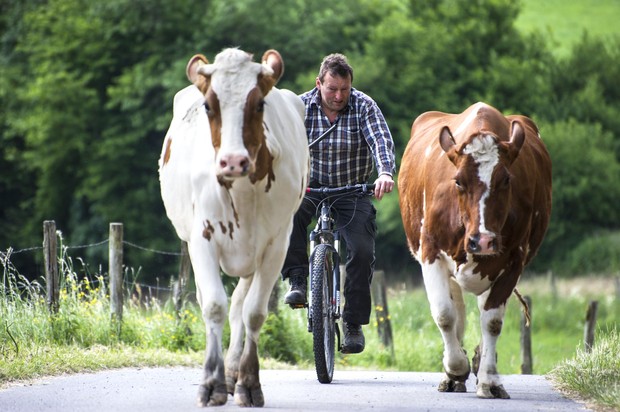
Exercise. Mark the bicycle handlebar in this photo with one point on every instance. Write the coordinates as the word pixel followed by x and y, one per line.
pixel 364 188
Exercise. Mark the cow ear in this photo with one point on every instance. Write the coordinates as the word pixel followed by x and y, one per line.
pixel 517 138
pixel 193 65
pixel 273 60
pixel 446 140
pixel 272 69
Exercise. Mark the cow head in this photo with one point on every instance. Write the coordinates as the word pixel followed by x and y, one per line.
pixel 234 88
pixel 482 183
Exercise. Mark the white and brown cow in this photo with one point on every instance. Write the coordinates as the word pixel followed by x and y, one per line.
pixel 475 198
pixel 233 171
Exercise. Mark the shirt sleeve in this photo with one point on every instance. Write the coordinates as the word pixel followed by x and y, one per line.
pixel 379 139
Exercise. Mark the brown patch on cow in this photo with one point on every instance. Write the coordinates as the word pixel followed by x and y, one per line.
pixel 208 230
pixel 264 167
pixel 214 114
pixel 254 138
pixel 223 227
pixel 225 183
pixel 495 327
pixel 231 228
pixel 167 151
pixel 235 214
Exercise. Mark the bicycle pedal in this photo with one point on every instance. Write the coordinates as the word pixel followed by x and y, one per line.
pixel 298 305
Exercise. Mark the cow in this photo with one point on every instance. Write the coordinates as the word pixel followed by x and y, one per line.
pixel 475 200
pixel 233 170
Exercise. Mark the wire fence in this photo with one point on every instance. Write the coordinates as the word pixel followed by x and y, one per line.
pixel 5 260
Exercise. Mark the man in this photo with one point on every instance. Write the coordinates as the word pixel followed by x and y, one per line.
pixel 344 157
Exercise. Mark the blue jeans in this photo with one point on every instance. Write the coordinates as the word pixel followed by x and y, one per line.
pixel 355 218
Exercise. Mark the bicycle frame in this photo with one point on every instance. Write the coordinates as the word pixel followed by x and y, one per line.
pixel 325 234
pixel 324 305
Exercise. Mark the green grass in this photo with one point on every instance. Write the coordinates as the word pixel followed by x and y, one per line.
pixel 563 22
pixel 557 328
pixel 594 376
pixel 81 337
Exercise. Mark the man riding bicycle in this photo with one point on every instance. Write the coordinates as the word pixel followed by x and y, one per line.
pixel 345 156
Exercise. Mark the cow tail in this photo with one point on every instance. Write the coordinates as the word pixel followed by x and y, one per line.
pixel 526 308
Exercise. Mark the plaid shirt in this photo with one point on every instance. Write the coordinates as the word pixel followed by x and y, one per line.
pixel 346 155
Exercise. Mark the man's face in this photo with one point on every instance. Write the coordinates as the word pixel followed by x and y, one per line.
pixel 335 92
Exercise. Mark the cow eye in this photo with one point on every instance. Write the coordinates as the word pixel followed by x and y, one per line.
pixel 506 181
pixel 459 186
pixel 206 108
pixel 261 106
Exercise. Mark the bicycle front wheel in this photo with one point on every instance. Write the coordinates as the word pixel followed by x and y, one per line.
pixel 322 306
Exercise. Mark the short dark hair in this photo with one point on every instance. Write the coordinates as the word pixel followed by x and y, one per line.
pixel 335 64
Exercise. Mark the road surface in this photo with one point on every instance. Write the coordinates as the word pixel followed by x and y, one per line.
pixel 175 389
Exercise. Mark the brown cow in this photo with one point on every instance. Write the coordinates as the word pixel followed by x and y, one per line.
pixel 475 198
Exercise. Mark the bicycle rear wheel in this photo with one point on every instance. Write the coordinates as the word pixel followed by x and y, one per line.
pixel 323 322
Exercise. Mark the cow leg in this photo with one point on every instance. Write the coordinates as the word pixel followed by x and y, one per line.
pixel 491 321
pixel 237 333
pixel 213 302
pixel 448 310
pixel 248 390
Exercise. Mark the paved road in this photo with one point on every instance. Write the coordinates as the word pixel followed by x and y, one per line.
pixel 174 389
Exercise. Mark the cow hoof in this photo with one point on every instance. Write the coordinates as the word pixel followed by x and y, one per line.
pixel 212 395
pixel 231 381
pixel 450 385
pixel 249 397
pixel 492 392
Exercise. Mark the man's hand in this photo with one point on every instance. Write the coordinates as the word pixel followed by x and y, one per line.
pixel 384 184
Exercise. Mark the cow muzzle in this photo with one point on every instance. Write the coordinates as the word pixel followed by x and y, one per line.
pixel 482 244
pixel 231 166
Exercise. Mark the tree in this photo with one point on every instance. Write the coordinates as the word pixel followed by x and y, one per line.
pixel 585 189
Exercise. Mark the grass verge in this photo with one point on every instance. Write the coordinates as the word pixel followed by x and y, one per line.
pixel 593 376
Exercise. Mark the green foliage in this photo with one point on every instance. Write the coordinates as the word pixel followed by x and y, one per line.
pixel 594 375
pixel 584 167
pixel 595 254
pixel 86 90
pixel 282 339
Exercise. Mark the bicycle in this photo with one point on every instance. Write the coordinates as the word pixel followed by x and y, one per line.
pixel 324 306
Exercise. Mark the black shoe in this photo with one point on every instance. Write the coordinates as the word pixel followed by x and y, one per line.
pixel 354 341
pixel 296 296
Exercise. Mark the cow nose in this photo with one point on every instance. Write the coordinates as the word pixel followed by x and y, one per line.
pixel 485 243
pixel 233 165
pixel 473 244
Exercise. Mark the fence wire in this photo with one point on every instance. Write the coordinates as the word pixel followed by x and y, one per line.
pixel 5 259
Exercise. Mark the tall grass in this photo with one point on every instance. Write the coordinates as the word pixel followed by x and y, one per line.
pixel 81 337
pixel 595 375
pixel 557 328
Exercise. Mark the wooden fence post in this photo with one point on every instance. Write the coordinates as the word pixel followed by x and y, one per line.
pixel 181 283
pixel 116 271
pixel 50 256
pixel 588 333
pixel 553 285
pixel 382 314
pixel 526 340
